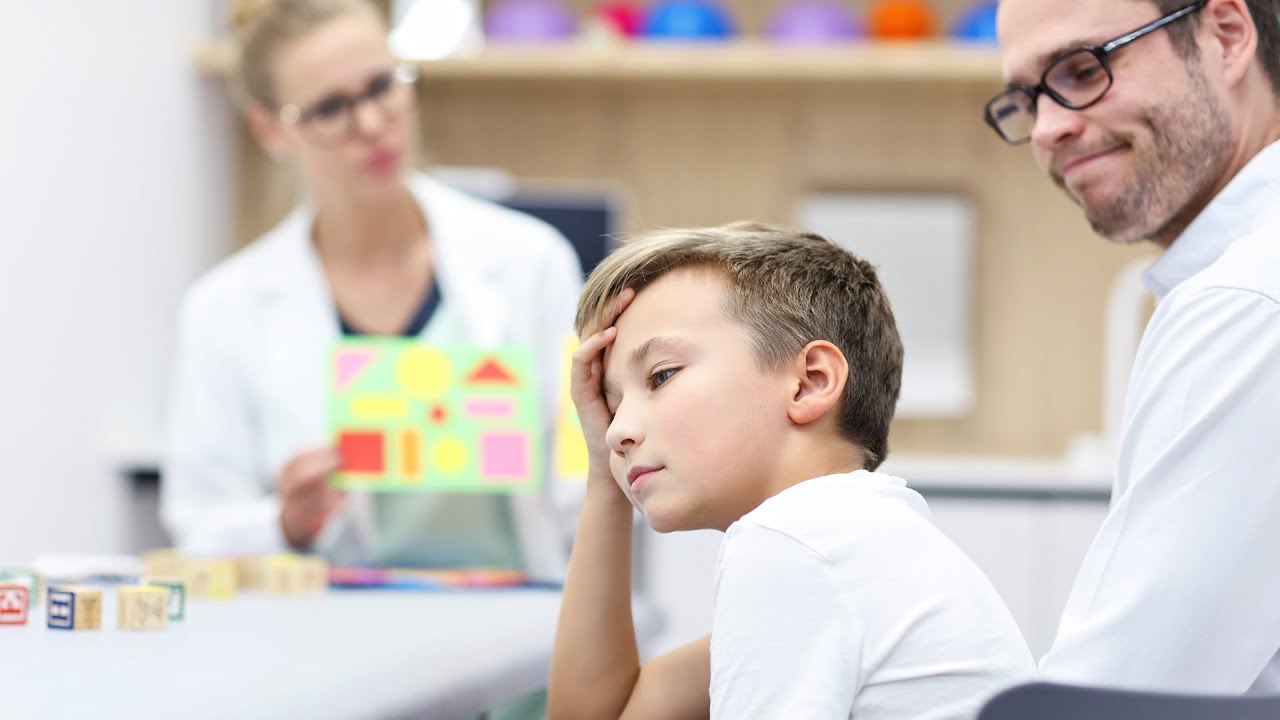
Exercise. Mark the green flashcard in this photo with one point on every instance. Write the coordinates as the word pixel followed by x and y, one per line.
pixel 406 416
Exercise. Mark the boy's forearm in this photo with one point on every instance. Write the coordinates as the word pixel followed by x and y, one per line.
pixel 595 662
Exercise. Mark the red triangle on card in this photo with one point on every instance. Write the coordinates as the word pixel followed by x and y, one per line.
pixel 491 371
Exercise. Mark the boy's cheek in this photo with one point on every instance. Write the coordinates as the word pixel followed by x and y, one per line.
pixel 618 471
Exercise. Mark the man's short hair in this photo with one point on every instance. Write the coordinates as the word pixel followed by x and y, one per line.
pixel 787 289
pixel 1264 13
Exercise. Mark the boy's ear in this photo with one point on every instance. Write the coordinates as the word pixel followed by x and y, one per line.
pixel 266 130
pixel 821 373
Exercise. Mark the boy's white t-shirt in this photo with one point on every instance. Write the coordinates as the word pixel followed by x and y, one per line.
pixel 839 598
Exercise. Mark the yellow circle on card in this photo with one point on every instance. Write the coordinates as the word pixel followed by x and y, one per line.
pixel 424 372
pixel 449 455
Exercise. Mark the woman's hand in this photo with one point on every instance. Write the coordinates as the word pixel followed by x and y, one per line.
pixel 308 501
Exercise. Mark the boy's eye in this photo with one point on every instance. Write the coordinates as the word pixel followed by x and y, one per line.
pixel 660 378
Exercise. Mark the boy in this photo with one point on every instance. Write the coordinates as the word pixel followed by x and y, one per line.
pixel 743 378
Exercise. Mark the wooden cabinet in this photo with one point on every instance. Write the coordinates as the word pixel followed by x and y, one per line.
pixel 702 135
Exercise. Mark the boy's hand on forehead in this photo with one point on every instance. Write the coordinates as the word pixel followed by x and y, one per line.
pixel 586 385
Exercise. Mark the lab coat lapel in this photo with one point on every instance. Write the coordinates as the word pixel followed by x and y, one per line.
pixel 470 282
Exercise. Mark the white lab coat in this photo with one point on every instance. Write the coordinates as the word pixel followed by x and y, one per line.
pixel 250 380
pixel 1180 591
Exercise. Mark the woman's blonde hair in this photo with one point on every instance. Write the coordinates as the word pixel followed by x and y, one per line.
pixel 787 289
pixel 262 27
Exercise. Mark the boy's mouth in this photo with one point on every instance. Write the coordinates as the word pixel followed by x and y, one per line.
pixel 638 472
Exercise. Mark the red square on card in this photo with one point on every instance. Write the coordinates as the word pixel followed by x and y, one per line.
pixel 362 452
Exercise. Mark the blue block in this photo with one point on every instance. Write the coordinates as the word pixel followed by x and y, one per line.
pixel 62 610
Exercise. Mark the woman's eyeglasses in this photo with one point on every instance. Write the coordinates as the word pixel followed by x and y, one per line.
pixel 332 119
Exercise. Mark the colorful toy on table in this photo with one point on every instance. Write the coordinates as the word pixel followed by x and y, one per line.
pixel 902 20
pixel 74 607
pixel 813 22
pixel 142 607
pixel 177 597
pixel 30 579
pixel 977 24
pixel 358 578
pixel 688 20
pixel 529 21
pixel 15 603
pixel 412 417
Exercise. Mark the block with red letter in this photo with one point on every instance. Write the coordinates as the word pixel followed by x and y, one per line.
pixel 13 604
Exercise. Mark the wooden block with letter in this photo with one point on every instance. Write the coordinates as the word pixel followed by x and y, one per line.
pixel 166 562
pixel 290 573
pixel 177 594
pixel 142 607
pixel 74 607
pixel 281 573
pixel 249 575
pixel 14 604
pixel 211 578
pixel 315 573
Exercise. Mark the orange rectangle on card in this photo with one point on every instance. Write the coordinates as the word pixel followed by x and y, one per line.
pixel 410 454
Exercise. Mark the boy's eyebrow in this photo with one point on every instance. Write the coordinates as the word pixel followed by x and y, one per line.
pixel 654 344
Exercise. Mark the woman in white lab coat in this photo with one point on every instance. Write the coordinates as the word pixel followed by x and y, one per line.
pixel 377 249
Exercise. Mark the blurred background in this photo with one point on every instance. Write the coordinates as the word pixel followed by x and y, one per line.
pixel 125 171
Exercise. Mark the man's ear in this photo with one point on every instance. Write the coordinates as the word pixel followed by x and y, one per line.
pixel 820 374
pixel 267 130
pixel 1233 35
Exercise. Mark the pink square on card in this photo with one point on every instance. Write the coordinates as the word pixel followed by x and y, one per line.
pixel 504 456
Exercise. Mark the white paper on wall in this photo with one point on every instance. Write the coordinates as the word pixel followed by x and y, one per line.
pixel 923 246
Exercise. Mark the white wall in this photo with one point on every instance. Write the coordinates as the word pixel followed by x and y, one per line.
pixel 114 193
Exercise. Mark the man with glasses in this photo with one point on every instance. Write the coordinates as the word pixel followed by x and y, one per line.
pixel 1159 119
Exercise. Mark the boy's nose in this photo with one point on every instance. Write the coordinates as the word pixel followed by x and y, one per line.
pixel 623 433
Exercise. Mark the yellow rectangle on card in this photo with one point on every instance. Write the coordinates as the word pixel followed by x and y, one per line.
pixel 379 407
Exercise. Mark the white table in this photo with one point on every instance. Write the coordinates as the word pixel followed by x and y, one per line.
pixel 341 654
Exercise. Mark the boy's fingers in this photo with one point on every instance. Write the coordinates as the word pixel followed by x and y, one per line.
pixel 620 306
pixel 592 346
pixel 614 312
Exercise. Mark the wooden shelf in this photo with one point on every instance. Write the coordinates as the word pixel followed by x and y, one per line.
pixel 740 61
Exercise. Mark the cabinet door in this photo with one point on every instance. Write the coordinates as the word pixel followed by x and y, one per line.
pixel 1030 550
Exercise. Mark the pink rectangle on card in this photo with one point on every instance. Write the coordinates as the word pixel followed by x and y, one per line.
pixel 488 409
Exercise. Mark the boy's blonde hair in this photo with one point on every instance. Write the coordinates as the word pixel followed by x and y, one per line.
pixel 262 27
pixel 787 289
